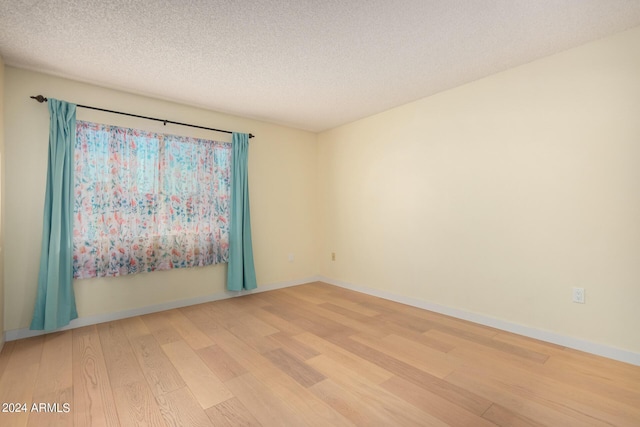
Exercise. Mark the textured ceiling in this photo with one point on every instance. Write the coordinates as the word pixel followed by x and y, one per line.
pixel 311 64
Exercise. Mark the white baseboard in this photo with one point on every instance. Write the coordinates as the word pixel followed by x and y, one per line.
pixel 551 337
pixel 17 334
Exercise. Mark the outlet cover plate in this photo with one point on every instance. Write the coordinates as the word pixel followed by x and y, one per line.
pixel 578 295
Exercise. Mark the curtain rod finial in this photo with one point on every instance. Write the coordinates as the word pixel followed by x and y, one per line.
pixel 39 98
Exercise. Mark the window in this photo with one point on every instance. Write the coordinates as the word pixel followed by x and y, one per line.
pixel 147 201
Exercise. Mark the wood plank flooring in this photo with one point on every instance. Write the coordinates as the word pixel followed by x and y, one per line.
pixel 315 355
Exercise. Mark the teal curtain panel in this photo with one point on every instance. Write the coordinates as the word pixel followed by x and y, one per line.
pixel 241 273
pixel 55 303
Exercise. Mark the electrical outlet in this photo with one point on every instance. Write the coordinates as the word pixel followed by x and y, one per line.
pixel 291 257
pixel 333 256
pixel 578 295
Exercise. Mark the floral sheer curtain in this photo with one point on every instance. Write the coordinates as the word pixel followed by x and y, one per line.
pixel 147 201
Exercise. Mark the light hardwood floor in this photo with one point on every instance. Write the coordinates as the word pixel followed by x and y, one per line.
pixel 309 355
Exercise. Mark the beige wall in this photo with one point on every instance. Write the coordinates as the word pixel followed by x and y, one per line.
pixel 499 196
pixel 1 203
pixel 283 188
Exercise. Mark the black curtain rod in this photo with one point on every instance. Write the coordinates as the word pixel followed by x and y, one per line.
pixel 42 99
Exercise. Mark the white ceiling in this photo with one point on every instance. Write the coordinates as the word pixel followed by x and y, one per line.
pixel 310 64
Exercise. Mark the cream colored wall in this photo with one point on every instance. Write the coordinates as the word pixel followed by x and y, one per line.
pixel 1 203
pixel 282 180
pixel 499 196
